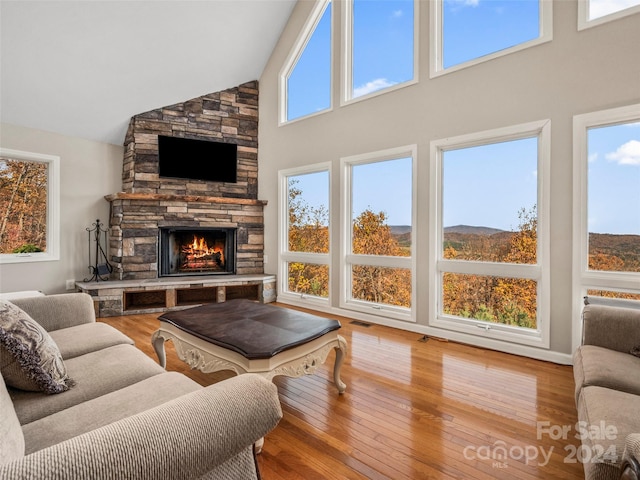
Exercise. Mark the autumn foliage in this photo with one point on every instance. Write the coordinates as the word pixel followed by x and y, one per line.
pixel 510 301
pixel 23 206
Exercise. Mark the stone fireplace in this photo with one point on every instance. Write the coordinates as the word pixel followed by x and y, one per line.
pixel 150 205
pixel 158 264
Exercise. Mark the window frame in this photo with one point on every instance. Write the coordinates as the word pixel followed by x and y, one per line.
pixel 294 56
pixel 583 15
pixel 53 208
pixel 538 272
pixel 284 255
pixel 346 97
pixel 583 278
pixel 348 259
pixel 436 41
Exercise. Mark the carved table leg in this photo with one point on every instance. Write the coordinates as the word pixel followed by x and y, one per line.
pixel 258 445
pixel 158 345
pixel 341 352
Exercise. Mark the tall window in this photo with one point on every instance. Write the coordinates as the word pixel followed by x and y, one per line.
pixel 380 45
pixel 607 202
pixel 378 267
pixel 490 229
pixel 595 12
pixel 306 78
pixel 465 32
pixel 29 206
pixel 304 257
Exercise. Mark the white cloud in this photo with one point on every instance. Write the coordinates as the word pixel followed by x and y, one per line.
pixel 626 154
pixel 465 3
pixel 372 86
pixel 593 157
pixel 600 8
pixel 397 14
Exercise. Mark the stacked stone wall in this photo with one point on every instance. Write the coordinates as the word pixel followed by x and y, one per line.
pixel 148 202
pixel 230 116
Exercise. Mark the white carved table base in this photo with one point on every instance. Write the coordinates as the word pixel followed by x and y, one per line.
pixel 295 362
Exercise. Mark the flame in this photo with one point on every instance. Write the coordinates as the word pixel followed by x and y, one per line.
pixel 199 248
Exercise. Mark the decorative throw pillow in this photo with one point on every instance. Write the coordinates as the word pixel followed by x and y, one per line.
pixel 635 351
pixel 29 358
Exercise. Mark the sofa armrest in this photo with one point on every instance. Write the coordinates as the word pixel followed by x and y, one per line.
pixel 184 438
pixel 615 328
pixel 631 458
pixel 54 312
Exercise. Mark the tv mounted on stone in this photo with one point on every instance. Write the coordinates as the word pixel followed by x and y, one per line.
pixel 193 159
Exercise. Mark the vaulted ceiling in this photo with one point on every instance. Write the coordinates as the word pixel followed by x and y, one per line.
pixel 83 68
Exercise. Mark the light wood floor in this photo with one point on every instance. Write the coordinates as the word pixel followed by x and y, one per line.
pixel 412 410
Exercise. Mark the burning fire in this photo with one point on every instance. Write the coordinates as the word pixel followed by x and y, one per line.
pixel 199 254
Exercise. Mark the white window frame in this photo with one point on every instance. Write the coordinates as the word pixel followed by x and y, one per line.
pixel 538 272
pixel 284 255
pixel 583 278
pixel 349 258
pixel 436 39
pixel 583 15
pixel 53 208
pixel 292 60
pixel 347 51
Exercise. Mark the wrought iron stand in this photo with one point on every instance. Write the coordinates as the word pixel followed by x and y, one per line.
pixel 100 268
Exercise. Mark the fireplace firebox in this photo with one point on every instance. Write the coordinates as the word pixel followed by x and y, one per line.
pixel 197 251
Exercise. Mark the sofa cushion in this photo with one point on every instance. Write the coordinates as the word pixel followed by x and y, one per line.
pixel 113 406
pixel 29 358
pixel 64 310
pixel 11 436
pixel 86 338
pixel 606 368
pixel 606 418
pixel 95 373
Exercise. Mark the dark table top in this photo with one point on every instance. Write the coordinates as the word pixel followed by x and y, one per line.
pixel 252 329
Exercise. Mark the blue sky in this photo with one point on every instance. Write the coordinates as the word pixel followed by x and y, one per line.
pixel 488 185
pixel 474 28
pixel 475 178
pixel 614 179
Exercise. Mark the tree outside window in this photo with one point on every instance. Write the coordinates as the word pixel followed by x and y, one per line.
pixel 23 206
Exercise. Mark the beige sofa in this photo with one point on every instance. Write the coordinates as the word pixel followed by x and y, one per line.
pixel 607 377
pixel 126 417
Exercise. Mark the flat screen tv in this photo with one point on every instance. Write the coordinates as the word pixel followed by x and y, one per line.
pixel 197 159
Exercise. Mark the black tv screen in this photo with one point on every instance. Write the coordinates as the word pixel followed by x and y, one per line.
pixel 197 159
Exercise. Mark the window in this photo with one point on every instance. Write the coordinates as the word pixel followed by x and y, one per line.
pixel 490 233
pixel 380 45
pixel 466 32
pixel 304 245
pixel 607 206
pixel 305 83
pixel 29 205
pixel 378 202
pixel 595 12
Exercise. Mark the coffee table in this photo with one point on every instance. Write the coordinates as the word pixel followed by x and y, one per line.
pixel 245 336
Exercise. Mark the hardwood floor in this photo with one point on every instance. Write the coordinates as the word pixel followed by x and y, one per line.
pixel 412 410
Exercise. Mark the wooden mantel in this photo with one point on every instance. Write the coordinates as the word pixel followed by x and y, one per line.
pixel 164 197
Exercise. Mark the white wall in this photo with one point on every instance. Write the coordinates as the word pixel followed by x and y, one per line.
pixel 576 72
pixel 89 170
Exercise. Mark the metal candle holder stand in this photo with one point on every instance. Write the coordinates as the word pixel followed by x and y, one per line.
pixel 99 271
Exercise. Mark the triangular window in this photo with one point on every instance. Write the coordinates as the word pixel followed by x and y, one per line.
pixel 307 77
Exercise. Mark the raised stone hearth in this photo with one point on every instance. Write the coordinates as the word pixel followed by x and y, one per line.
pixel 127 297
